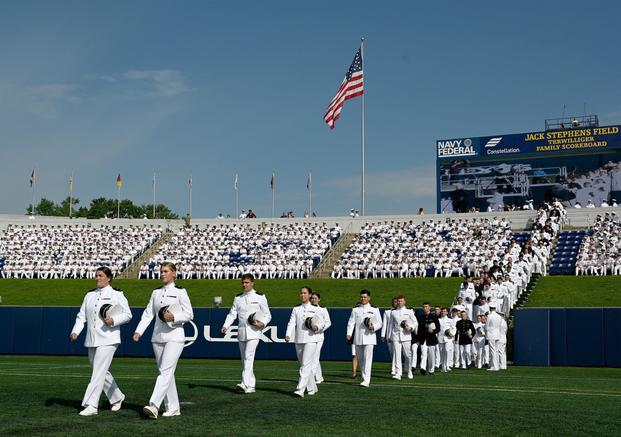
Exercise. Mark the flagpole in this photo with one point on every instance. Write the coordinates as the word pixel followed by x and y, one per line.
pixel 34 183
pixel 190 195
pixel 236 195
pixel 362 137
pixel 70 194
pixel 118 202
pixel 154 195
pixel 310 195
pixel 273 195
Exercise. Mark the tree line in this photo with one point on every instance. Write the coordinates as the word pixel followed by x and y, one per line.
pixel 100 208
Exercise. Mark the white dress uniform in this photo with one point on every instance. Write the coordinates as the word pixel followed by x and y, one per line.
pixel 492 327
pixel 364 339
pixel 168 342
pixel 306 342
pixel 101 341
pixel 402 338
pixel 446 341
pixel 386 333
pixel 323 313
pixel 245 304
pixel 502 345
pixel 479 344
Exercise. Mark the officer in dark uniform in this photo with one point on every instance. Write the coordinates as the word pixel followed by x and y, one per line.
pixel 428 328
pixel 465 332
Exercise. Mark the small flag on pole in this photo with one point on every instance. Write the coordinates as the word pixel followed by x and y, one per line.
pixel 33 177
pixel 352 86
pixel 236 183
pixel 190 182
pixel 119 181
pixel 71 184
pixel 272 182
pixel 309 182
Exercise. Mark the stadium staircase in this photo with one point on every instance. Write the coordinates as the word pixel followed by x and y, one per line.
pixel 325 267
pixel 131 272
pixel 566 252
pixel 526 293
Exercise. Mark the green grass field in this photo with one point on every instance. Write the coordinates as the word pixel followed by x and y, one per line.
pixel 572 291
pixel 41 396
pixel 279 292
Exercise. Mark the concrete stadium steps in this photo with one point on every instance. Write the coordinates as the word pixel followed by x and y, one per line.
pixel 131 272
pixel 526 293
pixel 566 252
pixel 325 267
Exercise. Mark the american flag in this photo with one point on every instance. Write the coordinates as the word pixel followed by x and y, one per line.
pixel 352 86
pixel 272 181
pixel 190 181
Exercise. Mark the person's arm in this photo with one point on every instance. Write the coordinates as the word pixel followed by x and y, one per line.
pixel 291 326
pixel 266 310
pixel 126 316
pixel 231 316
pixel 187 314
pixel 437 325
pixel 379 324
pixel 80 320
pixel 384 325
pixel 351 323
pixel 145 320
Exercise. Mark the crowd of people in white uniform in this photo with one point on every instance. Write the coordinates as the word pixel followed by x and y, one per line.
pixel 435 248
pixel 227 251
pixel 71 251
pixel 600 252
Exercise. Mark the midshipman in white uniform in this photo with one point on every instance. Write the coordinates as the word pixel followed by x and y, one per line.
pixel 366 320
pixel 305 323
pixel 386 334
pixel 323 312
pixel 103 336
pixel 171 308
pixel 248 303
pixel 403 321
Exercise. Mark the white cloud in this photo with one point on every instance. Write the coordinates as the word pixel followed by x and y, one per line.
pixel 165 83
pixel 43 100
pixel 101 77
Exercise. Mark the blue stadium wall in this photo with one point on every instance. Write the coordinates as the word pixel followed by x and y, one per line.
pixel 510 169
pixel 567 337
pixel 45 331
pixel 542 337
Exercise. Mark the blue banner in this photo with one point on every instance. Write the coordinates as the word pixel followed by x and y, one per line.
pixel 591 139
pixel 45 331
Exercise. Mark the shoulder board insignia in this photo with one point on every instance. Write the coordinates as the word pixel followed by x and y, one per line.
pixel 117 289
pixel 92 289
pixel 260 294
pixel 240 294
pixel 180 288
pixel 299 305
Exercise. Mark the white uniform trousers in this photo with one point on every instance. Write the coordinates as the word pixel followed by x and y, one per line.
pixel 405 349
pixel 247 350
pixel 428 358
pixel 100 358
pixel 456 355
pixel 391 352
pixel 415 350
pixel 446 355
pixel 465 352
pixel 494 362
pixel 365 359
pixel 306 353
pixel 317 369
pixel 502 354
pixel 166 356
pixel 479 349
pixel 438 355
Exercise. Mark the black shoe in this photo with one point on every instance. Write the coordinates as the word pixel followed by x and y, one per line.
pixel 423 372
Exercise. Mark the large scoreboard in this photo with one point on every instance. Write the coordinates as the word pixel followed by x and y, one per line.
pixel 575 165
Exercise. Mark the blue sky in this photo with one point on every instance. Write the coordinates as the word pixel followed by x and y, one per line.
pixel 217 88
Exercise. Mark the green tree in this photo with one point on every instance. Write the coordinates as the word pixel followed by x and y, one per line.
pixel 44 207
pixel 64 206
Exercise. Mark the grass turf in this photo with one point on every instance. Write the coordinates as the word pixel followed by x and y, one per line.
pixel 41 396
pixel 580 291
pixel 279 292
